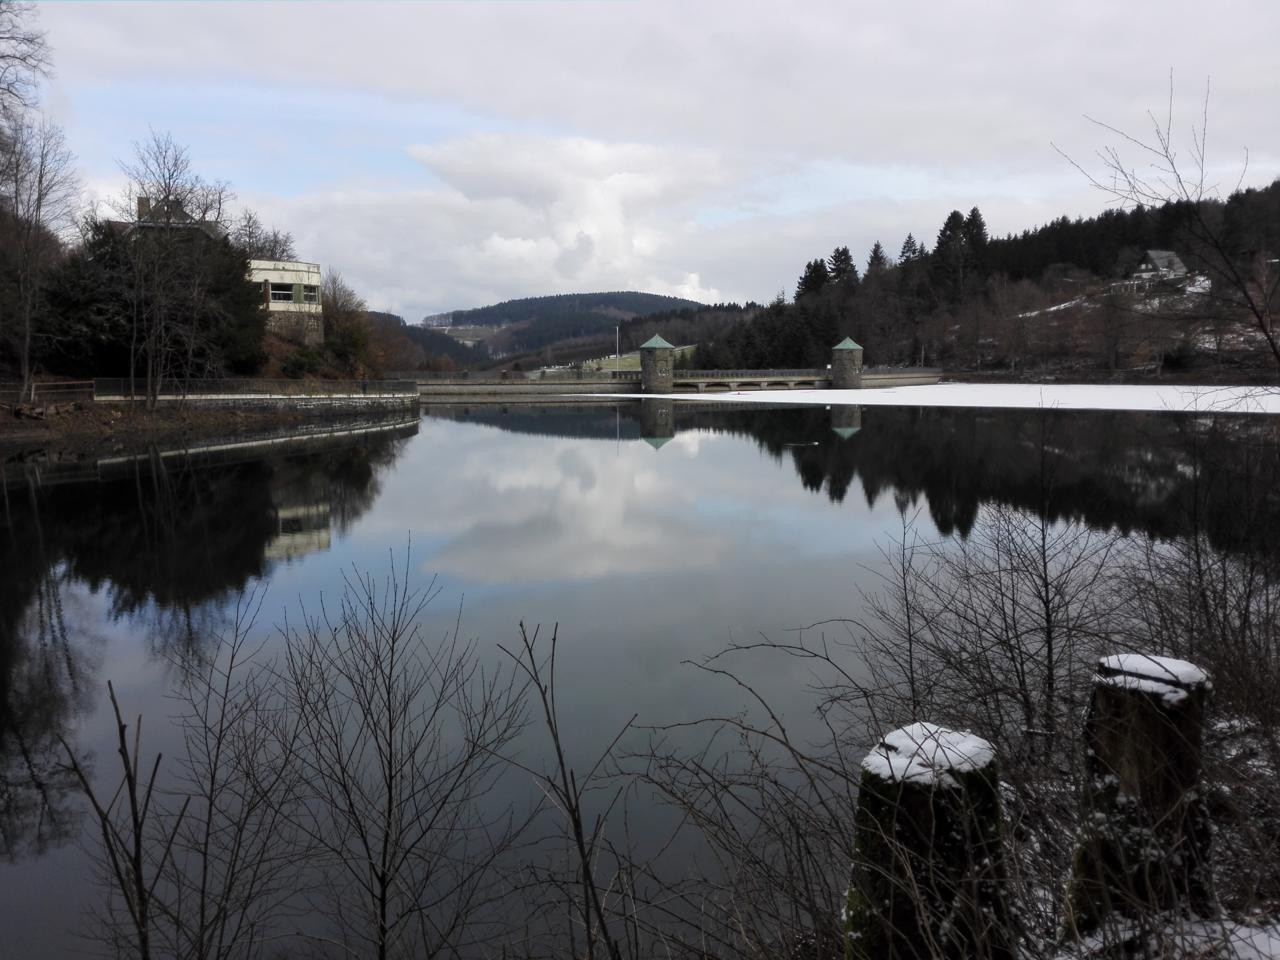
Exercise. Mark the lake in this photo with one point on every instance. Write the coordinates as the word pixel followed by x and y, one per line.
pixel 650 536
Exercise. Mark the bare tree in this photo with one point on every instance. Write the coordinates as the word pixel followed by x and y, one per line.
pixel 175 220
pixel 196 858
pixel 181 286
pixel 234 871
pixel 1244 279
pixel 339 300
pixel 347 330
pixel 39 193
pixel 586 892
pixel 24 56
pixel 137 840
pixel 258 242
pixel 398 744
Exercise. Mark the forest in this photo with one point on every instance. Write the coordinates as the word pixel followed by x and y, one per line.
pixel 110 292
pixel 152 284
pixel 535 323
pixel 1054 297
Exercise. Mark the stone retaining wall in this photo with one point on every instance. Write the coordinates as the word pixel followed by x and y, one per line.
pixel 326 403
pixel 705 381
pixel 525 388
pixel 898 378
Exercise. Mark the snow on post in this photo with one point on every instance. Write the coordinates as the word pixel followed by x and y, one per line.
pixel 1145 842
pixel 929 871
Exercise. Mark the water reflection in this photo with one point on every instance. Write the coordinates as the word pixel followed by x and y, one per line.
pixel 652 532
pixel 169 539
pixel 1143 472
pixel 44 665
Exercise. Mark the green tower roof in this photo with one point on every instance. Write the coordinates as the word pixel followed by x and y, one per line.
pixel 846 344
pixel 654 342
pixel 656 442
pixel 844 433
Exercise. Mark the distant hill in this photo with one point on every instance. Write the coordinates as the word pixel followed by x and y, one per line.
pixel 413 347
pixel 535 322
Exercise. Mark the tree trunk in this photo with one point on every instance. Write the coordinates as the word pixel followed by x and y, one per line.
pixel 929 875
pixel 1145 849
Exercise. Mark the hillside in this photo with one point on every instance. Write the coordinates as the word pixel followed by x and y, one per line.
pixel 532 323
pixel 1079 298
pixel 407 347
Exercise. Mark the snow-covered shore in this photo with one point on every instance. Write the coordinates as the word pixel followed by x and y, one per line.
pixel 1151 397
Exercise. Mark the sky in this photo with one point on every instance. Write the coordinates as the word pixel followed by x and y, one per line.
pixel 445 155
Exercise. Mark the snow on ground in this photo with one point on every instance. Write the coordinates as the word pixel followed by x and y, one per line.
pixel 1188 940
pixel 1054 309
pixel 1155 397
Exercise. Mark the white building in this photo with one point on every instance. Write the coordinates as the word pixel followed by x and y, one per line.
pixel 291 293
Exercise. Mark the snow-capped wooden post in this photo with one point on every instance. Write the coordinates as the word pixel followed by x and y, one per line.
pixel 929 875
pixel 1145 842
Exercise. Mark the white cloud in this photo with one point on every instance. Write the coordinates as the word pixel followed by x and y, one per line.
pixel 513 215
pixel 447 155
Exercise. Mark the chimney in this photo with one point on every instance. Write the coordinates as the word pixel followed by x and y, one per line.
pixel 144 207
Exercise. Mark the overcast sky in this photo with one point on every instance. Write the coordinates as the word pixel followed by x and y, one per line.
pixel 449 155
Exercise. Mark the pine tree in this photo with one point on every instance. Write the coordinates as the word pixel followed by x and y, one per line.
pixel 975 235
pixel 877 262
pixel 814 278
pixel 910 251
pixel 951 258
pixel 842 269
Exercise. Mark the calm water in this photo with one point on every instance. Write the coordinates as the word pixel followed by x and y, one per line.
pixel 651 536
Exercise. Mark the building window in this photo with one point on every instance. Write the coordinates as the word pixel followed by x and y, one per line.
pixel 282 293
pixel 310 294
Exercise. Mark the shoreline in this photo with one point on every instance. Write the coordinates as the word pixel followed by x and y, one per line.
pixel 87 430
pixel 1151 398
pixel 82 430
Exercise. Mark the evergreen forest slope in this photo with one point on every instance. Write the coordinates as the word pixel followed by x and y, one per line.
pixel 532 323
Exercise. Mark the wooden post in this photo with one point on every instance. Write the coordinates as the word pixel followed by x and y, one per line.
pixel 929 875
pixel 1145 845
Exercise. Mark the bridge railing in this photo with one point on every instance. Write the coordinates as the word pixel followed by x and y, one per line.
pixel 752 374
pixel 64 391
pixel 434 376
pixel 107 387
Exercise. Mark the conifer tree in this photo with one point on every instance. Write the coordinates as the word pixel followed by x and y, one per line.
pixel 841 267
pixel 975 235
pixel 951 258
pixel 910 251
pixel 814 278
pixel 877 262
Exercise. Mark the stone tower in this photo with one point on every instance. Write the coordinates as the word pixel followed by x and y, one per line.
pixel 656 360
pixel 657 422
pixel 846 366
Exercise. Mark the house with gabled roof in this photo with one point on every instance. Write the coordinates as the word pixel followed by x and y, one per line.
pixel 1160 265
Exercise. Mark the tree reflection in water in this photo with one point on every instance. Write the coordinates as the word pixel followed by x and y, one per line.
pixel 1119 470
pixel 42 684
pixel 171 542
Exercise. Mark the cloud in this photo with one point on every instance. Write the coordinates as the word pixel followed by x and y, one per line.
pixel 510 215
pixel 441 157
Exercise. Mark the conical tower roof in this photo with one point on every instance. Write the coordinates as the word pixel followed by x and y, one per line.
pixel 847 344
pixel 655 342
